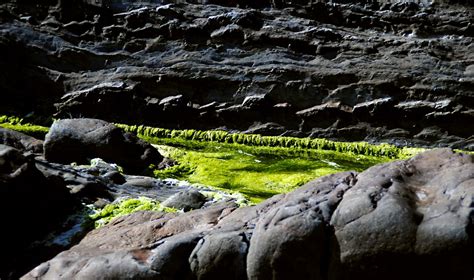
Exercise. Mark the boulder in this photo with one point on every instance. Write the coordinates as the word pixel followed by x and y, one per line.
pixel 406 219
pixel 187 200
pixel 409 219
pixel 79 140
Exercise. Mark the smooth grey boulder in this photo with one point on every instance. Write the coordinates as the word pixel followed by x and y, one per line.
pixel 290 240
pixel 219 254
pixel 405 219
pixel 413 214
pixel 134 247
pixel 79 140
pixel 186 200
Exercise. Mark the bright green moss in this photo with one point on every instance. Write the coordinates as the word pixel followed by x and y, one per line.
pixel 10 120
pixel 31 130
pixel 17 124
pixel 362 148
pixel 256 172
pixel 260 166
pixel 125 207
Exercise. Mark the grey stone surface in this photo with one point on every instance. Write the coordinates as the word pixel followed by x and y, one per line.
pixel 414 214
pixel 186 200
pixel 32 206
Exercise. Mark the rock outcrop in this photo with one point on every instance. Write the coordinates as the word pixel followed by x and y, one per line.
pixel 407 219
pixel 80 140
pixel 400 72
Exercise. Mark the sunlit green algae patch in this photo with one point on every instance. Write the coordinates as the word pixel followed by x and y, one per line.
pixel 126 206
pixel 260 166
pixel 254 165
pixel 17 124
pixel 256 172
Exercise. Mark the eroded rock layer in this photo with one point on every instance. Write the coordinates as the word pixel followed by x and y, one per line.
pixel 401 72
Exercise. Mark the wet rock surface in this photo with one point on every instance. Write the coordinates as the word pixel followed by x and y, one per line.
pixel 383 72
pixel 413 214
pixel 398 72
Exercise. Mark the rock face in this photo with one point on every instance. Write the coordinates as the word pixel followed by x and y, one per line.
pixel 79 140
pixel 398 72
pixel 402 220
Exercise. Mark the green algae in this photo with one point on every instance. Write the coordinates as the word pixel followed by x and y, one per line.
pixel 260 166
pixel 254 165
pixel 256 172
pixel 19 125
pixel 218 136
pixel 127 206
pixel 364 148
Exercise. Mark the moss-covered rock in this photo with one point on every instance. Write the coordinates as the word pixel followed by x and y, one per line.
pixel 124 207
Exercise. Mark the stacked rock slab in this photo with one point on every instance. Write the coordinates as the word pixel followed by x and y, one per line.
pixel 398 72
pixel 401 220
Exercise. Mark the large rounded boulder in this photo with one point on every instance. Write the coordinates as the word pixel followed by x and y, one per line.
pixel 79 140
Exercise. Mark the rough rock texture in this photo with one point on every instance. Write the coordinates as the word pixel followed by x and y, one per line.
pixel 400 72
pixel 80 140
pixel 402 220
pixel 101 183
